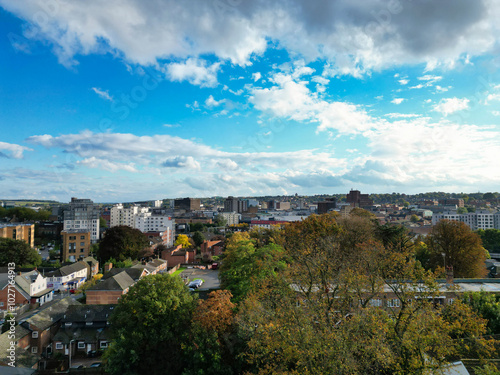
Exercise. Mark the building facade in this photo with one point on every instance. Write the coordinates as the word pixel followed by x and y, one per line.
pixel 82 214
pixel 481 219
pixel 23 232
pixel 75 244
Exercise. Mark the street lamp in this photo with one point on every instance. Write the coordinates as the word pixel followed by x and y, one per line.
pixel 70 352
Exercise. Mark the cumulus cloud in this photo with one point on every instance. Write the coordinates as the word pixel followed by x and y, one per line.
pixel 11 150
pixel 397 100
pixel 374 35
pixel 451 105
pixel 195 71
pixel 181 162
pixel 293 100
pixel 211 102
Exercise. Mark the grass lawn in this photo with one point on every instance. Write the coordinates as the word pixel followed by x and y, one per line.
pixel 179 271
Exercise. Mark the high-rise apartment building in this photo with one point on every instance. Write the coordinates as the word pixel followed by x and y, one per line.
pixel 82 214
pixel 232 204
pixel 356 199
pixel 24 232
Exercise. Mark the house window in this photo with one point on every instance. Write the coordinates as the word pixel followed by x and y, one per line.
pixel 34 349
pixel 376 302
pixel 103 344
pixel 59 345
pixel 81 345
pixel 393 302
pixel 34 334
pixel 82 237
pixel 1 304
pixel 89 323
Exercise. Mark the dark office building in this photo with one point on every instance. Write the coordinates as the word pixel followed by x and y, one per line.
pixel 327 205
pixel 356 199
pixel 187 204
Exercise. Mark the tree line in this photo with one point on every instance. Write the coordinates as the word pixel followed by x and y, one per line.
pixel 324 295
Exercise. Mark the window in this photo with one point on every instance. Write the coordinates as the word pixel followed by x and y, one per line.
pixel 68 324
pixel 82 244
pixel 59 345
pixel 376 302
pixel 82 250
pixel 34 334
pixel 393 302
pixel 1 304
pixel 103 344
pixel 34 349
pixel 89 323
pixel 81 345
pixel 82 237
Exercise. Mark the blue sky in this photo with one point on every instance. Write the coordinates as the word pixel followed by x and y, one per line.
pixel 130 100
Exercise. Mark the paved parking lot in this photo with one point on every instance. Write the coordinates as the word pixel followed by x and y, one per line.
pixel 211 277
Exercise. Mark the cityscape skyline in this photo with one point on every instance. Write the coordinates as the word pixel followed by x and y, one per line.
pixel 141 102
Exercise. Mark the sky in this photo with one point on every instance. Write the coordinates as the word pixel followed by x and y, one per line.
pixel 128 100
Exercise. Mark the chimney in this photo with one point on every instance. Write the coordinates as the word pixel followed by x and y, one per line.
pixel 108 266
pixel 449 275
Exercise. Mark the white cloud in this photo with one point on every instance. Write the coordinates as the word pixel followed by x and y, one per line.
pixel 211 102
pixel 146 34
pixel 495 113
pixel 451 105
pixel 492 97
pixel 397 100
pixel 401 115
pixel 256 76
pixel 403 81
pixel 293 100
pixel 11 150
pixel 171 125
pixel 107 165
pixel 104 94
pixel 194 71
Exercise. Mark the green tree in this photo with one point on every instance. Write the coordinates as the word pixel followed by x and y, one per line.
pixel 102 223
pixel 459 246
pixel 198 238
pixel 486 305
pixel 244 266
pixel 414 218
pixel 462 210
pixel 150 326
pixel 491 239
pixel 18 252
pixel 122 242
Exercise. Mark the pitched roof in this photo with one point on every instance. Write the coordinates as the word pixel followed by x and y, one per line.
pixel 24 358
pixel 120 281
pixel 88 313
pixel 134 272
pixel 26 279
pixel 49 315
pixel 68 270
pixel 90 260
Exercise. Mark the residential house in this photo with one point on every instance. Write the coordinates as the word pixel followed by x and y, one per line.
pixel 109 290
pixel 87 326
pixel 43 325
pixel 212 247
pixel 24 359
pixel 69 277
pixel 93 266
pixel 30 288
pixel 176 255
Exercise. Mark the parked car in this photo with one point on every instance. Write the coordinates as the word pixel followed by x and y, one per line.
pixel 195 284
pixel 96 364
pixel 72 291
pixel 215 266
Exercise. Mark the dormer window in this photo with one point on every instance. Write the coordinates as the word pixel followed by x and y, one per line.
pixel 34 334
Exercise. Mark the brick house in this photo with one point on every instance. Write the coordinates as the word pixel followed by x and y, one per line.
pixel 85 325
pixel 176 255
pixel 44 325
pixel 109 290
pixel 212 247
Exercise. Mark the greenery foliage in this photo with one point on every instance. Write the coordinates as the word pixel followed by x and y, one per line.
pixel 18 252
pixel 121 243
